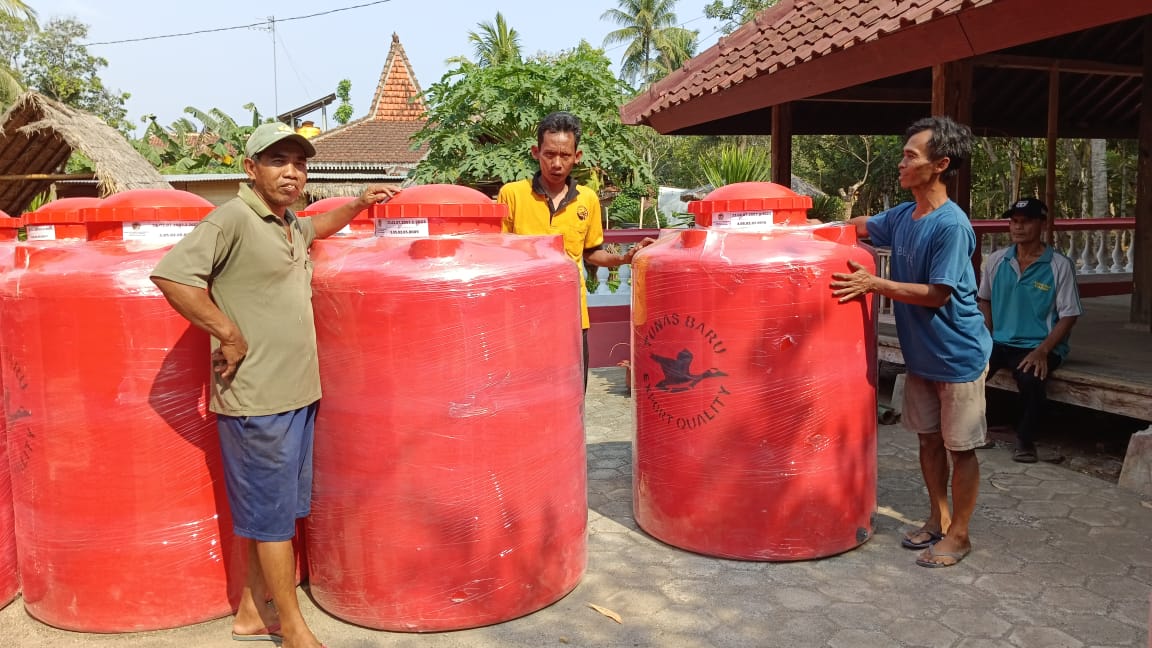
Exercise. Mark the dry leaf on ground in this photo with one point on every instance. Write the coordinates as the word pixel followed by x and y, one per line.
pixel 606 612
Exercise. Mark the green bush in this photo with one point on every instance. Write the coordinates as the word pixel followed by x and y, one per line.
pixel 827 208
pixel 730 164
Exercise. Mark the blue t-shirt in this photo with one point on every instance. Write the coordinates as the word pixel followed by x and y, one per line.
pixel 1026 305
pixel 949 343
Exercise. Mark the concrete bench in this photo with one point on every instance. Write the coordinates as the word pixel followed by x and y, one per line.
pixel 1072 383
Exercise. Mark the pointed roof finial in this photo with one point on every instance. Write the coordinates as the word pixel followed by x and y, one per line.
pixel 398 95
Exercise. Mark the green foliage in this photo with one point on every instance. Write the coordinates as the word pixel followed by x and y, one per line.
pixel 482 120
pixel 344 94
pixel 859 168
pixel 216 145
pixel 53 62
pixel 654 42
pixel 674 47
pixel 19 10
pixel 625 207
pixel 734 13
pixel 827 208
pixel 495 43
pixel 732 163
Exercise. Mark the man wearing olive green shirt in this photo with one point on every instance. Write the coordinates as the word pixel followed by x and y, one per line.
pixel 244 276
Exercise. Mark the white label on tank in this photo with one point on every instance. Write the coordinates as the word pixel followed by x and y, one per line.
pixel 758 220
pixel 158 231
pixel 41 232
pixel 412 227
pixel 344 231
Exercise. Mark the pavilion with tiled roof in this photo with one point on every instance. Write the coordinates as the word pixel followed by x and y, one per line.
pixel 1018 68
pixel 380 143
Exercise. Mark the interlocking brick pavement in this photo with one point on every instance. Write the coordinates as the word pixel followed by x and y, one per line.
pixel 1060 559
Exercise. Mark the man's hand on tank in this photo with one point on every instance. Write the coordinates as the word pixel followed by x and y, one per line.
pixel 643 243
pixel 848 286
pixel 375 194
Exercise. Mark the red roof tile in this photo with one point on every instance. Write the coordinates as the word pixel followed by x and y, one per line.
pixel 370 142
pixel 846 43
pixel 383 138
pixel 398 96
pixel 791 33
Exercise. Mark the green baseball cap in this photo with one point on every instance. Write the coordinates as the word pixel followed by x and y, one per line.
pixel 266 135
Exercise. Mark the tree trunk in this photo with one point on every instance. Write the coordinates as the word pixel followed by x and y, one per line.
pixel 1099 178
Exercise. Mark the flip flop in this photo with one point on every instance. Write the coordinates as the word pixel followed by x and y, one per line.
pixel 1024 456
pixel 956 557
pixel 272 635
pixel 908 543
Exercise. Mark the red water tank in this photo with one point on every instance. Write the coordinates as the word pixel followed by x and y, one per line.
pixel 361 225
pixel 121 515
pixel 9 581
pixel 59 219
pixel 450 483
pixel 754 388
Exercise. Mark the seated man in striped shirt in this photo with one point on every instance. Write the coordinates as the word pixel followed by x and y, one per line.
pixel 1030 302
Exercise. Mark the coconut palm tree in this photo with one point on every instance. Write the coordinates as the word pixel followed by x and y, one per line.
pixel 18 9
pixel 493 44
pixel 642 24
pixel 9 85
pixel 674 46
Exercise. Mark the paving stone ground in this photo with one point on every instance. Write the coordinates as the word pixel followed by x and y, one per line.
pixel 1061 559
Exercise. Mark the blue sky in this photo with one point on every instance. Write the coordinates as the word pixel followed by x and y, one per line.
pixel 227 69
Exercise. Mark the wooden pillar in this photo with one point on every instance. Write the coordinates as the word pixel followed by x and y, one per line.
pixel 1142 240
pixel 1050 157
pixel 782 144
pixel 952 97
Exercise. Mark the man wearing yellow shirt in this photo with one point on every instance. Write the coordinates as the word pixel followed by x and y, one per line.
pixel 552 203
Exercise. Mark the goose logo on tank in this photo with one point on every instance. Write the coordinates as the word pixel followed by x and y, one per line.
pixel 670 368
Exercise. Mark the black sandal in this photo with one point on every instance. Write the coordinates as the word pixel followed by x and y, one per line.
pixel 1023 455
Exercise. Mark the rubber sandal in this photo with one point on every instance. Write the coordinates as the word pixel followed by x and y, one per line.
pixel 1024 456
pixel 908 543
pixel 928 561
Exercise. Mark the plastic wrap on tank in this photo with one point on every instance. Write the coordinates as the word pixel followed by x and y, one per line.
pixel 9 579
pixel 121 518
pixel 360 227
pixel 450 478
pixel 754 391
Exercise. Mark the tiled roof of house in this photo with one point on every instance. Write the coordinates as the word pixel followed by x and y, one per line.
pixel 383 137
pixel 398 96
pixel 369 141
pixel 788 34
pixel 802 49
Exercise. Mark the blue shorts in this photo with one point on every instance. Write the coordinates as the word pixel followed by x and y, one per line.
pixel 268 471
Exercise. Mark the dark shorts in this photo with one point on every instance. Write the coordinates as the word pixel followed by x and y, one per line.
pixel 268 471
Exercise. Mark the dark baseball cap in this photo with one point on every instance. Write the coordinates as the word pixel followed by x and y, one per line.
pixel 1028 207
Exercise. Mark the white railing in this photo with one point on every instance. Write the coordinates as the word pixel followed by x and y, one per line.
pixel 611 287
pixel 1102 249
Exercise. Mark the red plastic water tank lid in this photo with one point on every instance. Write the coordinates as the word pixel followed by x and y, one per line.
pixel 10 222
pixel 149 205
pixel 443 201
pixel 750 197
pixel 324 205
pixel 64 210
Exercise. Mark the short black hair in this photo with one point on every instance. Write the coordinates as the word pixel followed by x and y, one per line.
pixel 559 122
pixel 949 139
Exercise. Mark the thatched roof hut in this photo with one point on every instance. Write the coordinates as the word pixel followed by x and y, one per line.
pixel 37 136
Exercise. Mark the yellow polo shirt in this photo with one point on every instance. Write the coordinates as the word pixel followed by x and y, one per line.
pixel 577 219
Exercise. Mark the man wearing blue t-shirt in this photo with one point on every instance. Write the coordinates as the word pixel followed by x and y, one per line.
pixel 941 330
pixel 1030 302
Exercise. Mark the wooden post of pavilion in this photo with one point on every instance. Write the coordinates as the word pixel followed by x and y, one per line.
pixel 782 144
pixel 1142 240
pixel 1050 157
pixel 952 96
